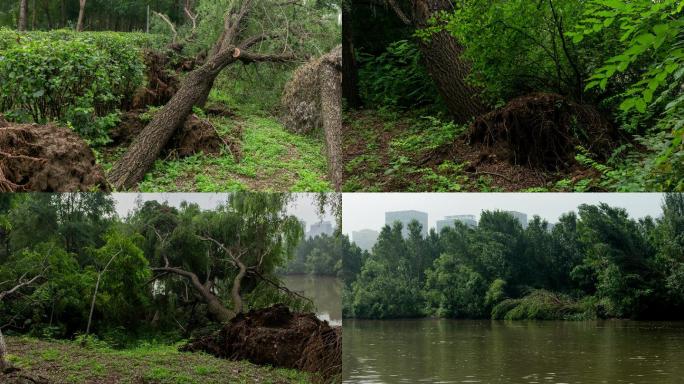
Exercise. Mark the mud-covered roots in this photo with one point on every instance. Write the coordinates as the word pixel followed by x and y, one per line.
pixel 302 99
pixel 162 81
pixel 46 158
pixel 275 336
pixel 195 136
pixel 543 131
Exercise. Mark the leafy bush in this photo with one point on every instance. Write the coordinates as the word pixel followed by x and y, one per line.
pixel 396 78
pixel 79 80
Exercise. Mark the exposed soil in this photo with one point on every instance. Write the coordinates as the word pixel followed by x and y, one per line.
pixel 542 130
pixel 197 135
pixel 46 158
pixel 17 376
pixel 275 336
pixel 162 81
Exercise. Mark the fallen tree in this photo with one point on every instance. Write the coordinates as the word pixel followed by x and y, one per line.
pixel 312 101
pixel 231 47
pixel 276 336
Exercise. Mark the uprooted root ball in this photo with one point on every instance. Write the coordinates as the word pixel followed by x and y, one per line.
pixel 275 336
pixel 46 158
pixel 543 130
pixel 302 97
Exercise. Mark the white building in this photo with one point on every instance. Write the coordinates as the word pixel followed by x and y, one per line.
pixel 365 238
pixel 405 218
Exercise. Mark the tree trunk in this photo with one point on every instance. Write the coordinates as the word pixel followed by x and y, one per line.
pixel 4 364
pixel 235 291
pixel 442 55
pixel 194 91
pixel 350 74
pixel 331 103
pixel 214 304
pixel 23 11
pixel 81 16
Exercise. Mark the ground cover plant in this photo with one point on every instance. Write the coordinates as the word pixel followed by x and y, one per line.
pixel 595 263
pixel 89 296
pixel 158 109
pixel 551 95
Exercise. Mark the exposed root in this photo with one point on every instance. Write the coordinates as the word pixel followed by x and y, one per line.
pixel 46 158
pixel 162 82
pixel 542 130
pixel 275 336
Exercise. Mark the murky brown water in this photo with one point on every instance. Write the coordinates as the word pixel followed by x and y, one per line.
pixel 456 351
pixel 326 293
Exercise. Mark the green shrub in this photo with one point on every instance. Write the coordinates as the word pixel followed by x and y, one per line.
pixel 396 78
pixel 77 79
pixel 537 305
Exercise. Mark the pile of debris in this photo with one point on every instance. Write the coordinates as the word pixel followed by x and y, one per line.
pixel 275 336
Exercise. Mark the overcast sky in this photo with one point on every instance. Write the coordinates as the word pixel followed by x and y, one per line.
pixel 367 210
pixel 304 207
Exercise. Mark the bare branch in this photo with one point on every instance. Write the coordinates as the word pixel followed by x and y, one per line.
pixel 171 25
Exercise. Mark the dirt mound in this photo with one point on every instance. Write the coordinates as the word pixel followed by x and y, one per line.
pixel 197 135
pixel 543 130
pixel 162 81
pixel 302 99
pixel 46 158
pixel 275 336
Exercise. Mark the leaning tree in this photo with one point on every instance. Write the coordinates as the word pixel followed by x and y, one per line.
pixel 223 254
pixel 254 31
pixel 442 54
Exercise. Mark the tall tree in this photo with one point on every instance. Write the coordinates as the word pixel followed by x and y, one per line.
pixel 81 15
pixel 23 11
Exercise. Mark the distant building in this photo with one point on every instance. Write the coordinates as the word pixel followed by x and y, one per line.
pixel 405 218
pixel 320 228
pixel 521 217
pixel 450 221
pixel 365 238
pixel 551 227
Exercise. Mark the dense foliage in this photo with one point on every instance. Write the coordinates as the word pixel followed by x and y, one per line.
pixel 624 58
pixel 596 263
pixel 76 242
pixel 79 79
pixel 320 255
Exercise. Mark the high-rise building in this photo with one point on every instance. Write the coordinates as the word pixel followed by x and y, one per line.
pixel 320 228
pixel 365 238
pixel 405 218
pixel 521 217
pixel 449 221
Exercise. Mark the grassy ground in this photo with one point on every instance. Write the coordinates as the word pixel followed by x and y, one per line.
pixel 393 151
pixel 271 159
pixel 67 362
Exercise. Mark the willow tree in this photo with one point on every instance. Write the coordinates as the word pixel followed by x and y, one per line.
pixel 442 54
pixel 254 31
pixel 222 254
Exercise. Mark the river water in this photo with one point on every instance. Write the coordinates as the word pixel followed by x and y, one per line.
pixel 325 291
pixel 458 351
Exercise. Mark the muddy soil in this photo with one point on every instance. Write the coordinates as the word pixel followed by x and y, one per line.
pixel 275 336
pixel 197 135
pixel 46 158
pixel 543 131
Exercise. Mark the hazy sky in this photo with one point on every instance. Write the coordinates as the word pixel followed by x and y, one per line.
pixel 367 210
pixel 304 206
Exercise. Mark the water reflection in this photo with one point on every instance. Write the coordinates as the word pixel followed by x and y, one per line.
pixel 449 351
pixel 325 291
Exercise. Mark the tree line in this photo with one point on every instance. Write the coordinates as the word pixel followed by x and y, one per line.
pixel 165 271
pixel 96 15
pixel 596 263
pixel 320 255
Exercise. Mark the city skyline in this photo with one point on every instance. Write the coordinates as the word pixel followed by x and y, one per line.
pixel 367 211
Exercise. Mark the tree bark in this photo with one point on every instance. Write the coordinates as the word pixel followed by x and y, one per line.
pixel 350 74
pixel 4 364
pixel 442 55
pixel 23 11
pixel 81 15
pixel 331 102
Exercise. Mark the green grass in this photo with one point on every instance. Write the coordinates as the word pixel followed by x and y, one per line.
pixel 273 160
pixel 64 362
